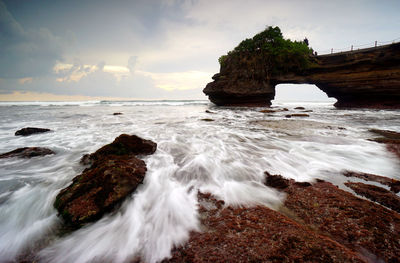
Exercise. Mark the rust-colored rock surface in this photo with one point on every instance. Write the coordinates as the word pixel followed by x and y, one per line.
pixel 392 183
pixel 27 152
pixel 114 173
pixel 377 194
pixel 363 226
pixel 362 78
pixel 256 234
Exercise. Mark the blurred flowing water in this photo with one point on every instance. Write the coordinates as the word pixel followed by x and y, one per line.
pixel 225 155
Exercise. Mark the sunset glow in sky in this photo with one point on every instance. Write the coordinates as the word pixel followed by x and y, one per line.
pixel 167 49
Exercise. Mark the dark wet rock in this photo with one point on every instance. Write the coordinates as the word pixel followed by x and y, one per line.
pixel 256 234
pixel 122 145
pixel 208 111
pixel 276 181
pixel 392 183
pixel 299 108
pixel 376 194
pixel 367 228
pixel 115 172
pixel 30 130
pixel 387 134
pixel 390 138
pixel 117 113
pixel 27 152
pixel 206 119
pixel 297 115
pixel 99 189
pixel 307 111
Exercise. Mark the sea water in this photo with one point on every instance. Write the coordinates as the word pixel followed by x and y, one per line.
pixel 224 151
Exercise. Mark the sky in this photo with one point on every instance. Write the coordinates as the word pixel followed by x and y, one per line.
pixel 166 49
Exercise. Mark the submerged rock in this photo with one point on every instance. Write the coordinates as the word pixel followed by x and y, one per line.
pixel 30 130
pixel 392 183
pixel 117 113
pixel 27 152
pixel 299 108
pixel 207 119
pixel 115 172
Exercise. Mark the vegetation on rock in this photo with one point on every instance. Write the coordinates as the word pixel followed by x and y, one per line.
pixel 282 55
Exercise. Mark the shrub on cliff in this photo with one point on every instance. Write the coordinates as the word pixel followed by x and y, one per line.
pixel 283 55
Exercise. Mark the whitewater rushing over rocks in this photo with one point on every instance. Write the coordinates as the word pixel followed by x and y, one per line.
pixel 221 150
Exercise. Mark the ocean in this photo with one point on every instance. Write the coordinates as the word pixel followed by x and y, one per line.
pixel 201 147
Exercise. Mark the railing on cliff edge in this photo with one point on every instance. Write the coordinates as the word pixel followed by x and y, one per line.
pixel 353 48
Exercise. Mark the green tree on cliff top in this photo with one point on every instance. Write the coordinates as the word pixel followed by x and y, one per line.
pixel 283 54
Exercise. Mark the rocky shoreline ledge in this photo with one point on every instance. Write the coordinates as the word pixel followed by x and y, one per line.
pixel 318 223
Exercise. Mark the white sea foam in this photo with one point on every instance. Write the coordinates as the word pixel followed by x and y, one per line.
pixel 227 157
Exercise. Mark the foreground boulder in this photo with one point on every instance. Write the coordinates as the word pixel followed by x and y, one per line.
pixel 30 130
pixel 27 152
pixel 115 172
pixel 122 145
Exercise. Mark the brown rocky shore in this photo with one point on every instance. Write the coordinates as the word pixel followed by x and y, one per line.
pixel 318 223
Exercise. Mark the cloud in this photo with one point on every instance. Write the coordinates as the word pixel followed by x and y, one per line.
pixel 25 53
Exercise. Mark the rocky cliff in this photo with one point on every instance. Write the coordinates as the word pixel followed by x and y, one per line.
pixel 363 78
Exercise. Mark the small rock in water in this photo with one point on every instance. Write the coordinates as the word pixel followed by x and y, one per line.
pixel 206 119
pixel 297 115
pixel 267 111
pixel 27 152
pixel 30 130
pixel 207 111
pixel 299 108
pixel 117 113
pixel 115 172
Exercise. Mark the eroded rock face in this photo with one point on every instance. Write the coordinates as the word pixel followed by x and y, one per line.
pixel 27 152
pixel 30 130
pixel 366 78
pixel 114 173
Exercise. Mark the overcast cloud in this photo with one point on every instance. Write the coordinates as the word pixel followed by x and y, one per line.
pixel 161 49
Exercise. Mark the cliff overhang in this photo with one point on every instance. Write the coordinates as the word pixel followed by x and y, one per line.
pixel 363 78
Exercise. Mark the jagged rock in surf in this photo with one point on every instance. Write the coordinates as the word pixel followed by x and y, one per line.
pixel 122 145
pixel 27 152
pixel 30 130
pixel 390 138
pixel 115 172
